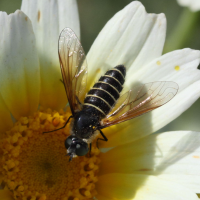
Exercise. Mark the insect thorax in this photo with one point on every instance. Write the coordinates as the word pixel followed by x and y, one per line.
pixel 85 122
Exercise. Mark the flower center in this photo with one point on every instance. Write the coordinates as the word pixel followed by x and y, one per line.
pixel 35 165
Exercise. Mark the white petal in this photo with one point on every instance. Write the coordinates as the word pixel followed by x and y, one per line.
pixel 153 121
pixel 127 38
pixel 179 66
pixel 194 5
pixel 19 71
pixel 140 187
pixel 48 19
pixel 173 156
pixel 176 106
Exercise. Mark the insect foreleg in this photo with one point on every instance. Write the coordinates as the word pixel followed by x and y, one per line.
pixel 61 127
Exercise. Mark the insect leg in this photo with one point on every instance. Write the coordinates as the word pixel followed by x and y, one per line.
pixel 61 127
pixel 77 99
pixel 103 139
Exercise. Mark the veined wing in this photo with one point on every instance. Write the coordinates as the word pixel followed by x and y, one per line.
pixel 73 68
pixel 140 100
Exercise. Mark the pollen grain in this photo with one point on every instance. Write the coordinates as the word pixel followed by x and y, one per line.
pixel 177 68
pixel 158 62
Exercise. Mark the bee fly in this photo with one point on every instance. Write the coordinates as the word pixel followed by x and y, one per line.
pixel 103 105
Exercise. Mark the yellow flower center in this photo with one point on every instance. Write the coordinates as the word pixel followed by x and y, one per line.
pixel 35 165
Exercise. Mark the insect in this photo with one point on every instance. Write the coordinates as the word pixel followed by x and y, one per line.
pixel 103 106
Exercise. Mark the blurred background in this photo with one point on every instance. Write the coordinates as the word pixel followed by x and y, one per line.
pixel 180 22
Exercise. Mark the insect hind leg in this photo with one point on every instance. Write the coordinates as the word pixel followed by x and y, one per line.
pixel 61 127
pixel 103 139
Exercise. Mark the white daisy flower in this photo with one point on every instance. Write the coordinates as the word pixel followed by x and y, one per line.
pixel 141 165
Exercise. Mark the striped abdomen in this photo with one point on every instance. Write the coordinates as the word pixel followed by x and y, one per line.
pixel 106 91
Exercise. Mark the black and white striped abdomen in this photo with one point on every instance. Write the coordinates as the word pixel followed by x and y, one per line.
pixel 106 91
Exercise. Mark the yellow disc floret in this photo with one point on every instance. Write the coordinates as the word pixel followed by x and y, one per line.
pixel 35 165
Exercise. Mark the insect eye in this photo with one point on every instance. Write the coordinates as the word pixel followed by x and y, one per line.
pixel 81 149
pixel 68 142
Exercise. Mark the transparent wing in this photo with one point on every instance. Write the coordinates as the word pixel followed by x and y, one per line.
pixel 140 100
pixel 73 68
